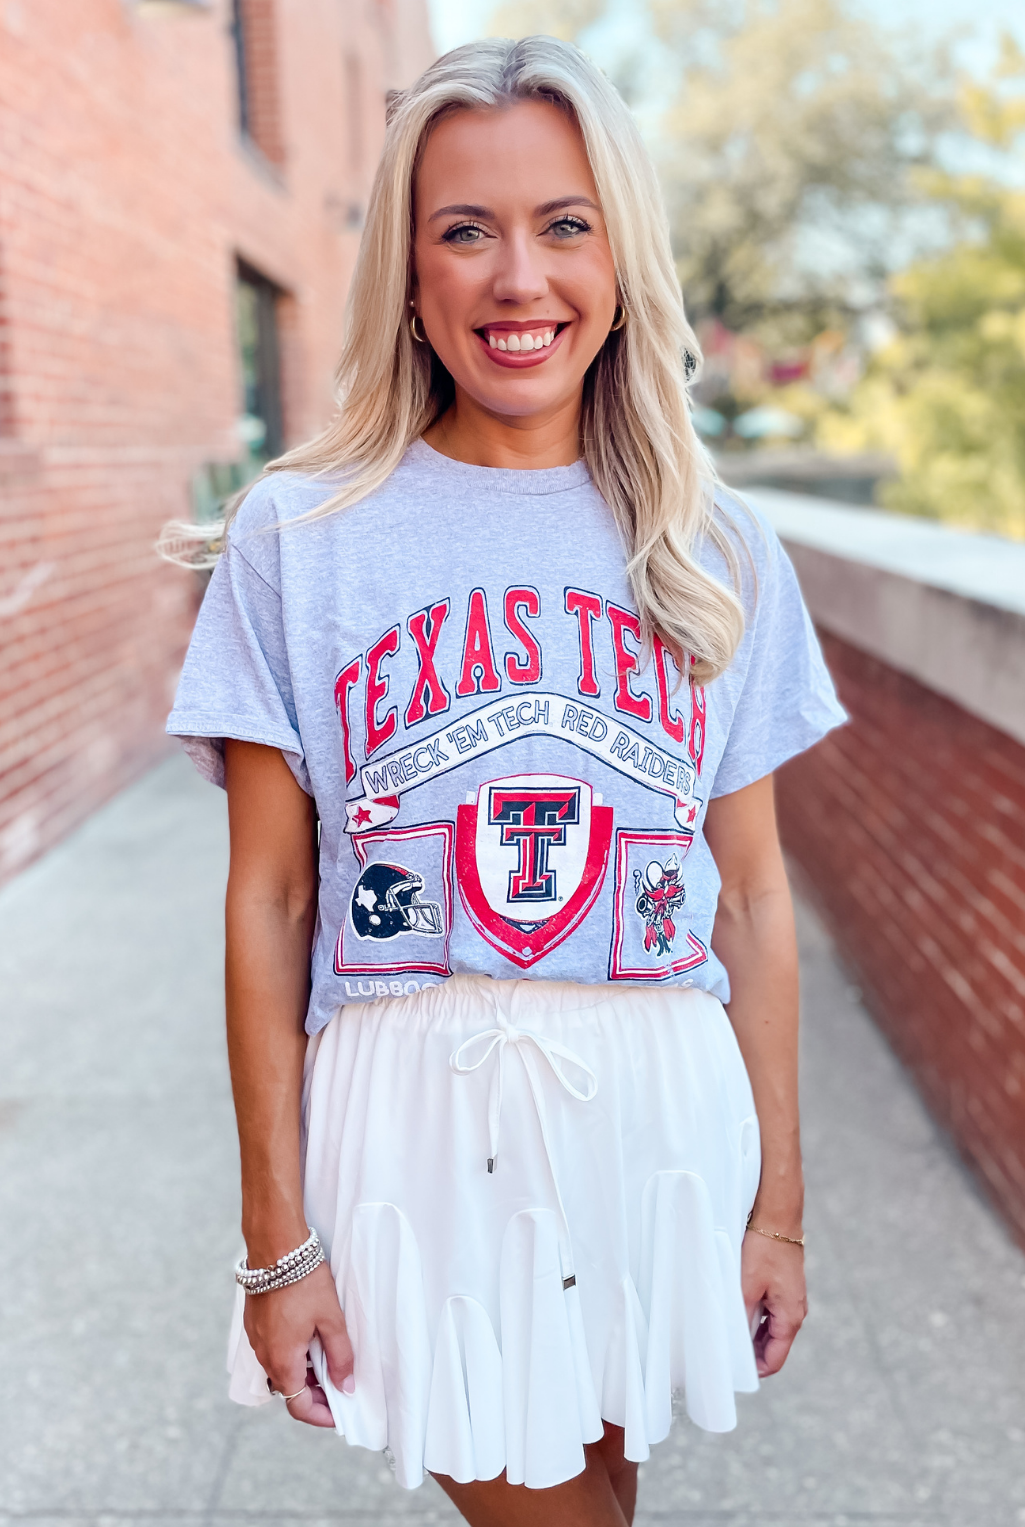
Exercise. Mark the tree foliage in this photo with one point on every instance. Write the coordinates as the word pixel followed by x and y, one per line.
pixel 947 397
pixel 788 157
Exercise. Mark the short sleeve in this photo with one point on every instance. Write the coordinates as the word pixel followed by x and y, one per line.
pixel 236 681
pixel 786 700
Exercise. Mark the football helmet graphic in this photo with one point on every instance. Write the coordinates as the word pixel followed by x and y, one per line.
pixel 386 901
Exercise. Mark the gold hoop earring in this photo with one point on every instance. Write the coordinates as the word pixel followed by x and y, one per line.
pixel 619 321
pixel 421 339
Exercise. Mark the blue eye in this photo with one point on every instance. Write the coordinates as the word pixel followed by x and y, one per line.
pixel 463 233
pixel 568 227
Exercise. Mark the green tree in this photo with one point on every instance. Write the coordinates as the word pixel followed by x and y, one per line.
pixel 947 397
pixel 788 157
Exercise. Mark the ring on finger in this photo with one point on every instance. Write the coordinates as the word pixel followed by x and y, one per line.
pixel 278 1395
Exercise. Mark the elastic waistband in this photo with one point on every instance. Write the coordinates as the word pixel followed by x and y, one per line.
pixel 465 997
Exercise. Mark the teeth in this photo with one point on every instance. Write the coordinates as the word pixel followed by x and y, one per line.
pixel 521 342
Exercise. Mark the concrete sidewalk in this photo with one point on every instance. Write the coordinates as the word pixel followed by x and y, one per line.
pixel 903 1405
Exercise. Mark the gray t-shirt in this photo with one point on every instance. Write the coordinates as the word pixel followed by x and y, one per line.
pixel 506 786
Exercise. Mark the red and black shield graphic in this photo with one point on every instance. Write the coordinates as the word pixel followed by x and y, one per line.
pixel 531 855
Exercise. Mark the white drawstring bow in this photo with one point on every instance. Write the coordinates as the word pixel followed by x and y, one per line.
pixel 557 1056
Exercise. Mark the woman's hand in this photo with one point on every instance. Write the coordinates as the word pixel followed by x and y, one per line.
pixel 281 1326
pixel 772 1276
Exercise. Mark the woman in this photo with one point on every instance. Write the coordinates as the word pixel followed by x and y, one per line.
pixel 492 660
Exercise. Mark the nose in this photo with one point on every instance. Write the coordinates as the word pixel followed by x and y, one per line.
pixel 520 275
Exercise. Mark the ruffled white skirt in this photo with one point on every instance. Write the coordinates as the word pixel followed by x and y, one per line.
pixel 533 1196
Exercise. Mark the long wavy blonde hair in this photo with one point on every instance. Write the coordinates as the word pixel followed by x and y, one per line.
pixel 637 436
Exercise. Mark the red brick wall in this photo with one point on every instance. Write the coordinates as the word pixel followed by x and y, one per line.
pixel 910 826
pixel 126 198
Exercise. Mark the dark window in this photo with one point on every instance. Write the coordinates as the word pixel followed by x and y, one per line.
pixel 257 318
pixel 238 34
pixel 254 29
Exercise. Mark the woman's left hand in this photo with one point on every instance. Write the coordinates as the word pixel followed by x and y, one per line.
pixel 772 1276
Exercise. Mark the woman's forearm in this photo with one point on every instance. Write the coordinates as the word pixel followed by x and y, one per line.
pixel 269 919
pixel 754 937
pixel 267 975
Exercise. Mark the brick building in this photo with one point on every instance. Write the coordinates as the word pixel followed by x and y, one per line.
pixel 181 190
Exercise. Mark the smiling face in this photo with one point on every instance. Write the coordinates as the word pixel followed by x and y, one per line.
pixel 515 281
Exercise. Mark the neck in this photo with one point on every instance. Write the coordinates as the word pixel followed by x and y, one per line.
pixel 469 433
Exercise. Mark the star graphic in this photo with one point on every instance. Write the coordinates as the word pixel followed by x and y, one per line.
pixel 362 815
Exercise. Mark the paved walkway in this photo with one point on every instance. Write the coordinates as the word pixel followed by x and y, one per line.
pixel 903 1406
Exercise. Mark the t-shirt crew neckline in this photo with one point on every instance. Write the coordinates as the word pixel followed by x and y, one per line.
pixel 513 480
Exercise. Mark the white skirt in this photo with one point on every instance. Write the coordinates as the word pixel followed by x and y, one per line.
pixel 533 1197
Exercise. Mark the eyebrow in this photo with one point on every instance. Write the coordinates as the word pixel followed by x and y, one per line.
pixel 566 201
pixel 469 209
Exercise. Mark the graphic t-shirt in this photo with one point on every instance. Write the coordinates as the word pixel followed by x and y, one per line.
pixel 507 785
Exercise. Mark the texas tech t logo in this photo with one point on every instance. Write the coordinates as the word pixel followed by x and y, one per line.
pixel 534 820
pixel 531 855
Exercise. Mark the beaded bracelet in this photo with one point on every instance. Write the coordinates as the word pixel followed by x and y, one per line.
pixel 290 1268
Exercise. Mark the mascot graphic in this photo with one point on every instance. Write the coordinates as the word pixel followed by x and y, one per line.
pixel 660 893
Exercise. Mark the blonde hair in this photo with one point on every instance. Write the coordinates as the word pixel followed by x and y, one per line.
pixel 637 436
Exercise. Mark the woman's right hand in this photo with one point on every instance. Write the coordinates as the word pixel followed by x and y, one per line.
pixel 282 1324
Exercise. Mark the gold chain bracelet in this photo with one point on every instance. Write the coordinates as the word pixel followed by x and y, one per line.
pixel 775 1235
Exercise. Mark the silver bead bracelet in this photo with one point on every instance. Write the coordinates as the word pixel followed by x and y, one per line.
pixel 290 1268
